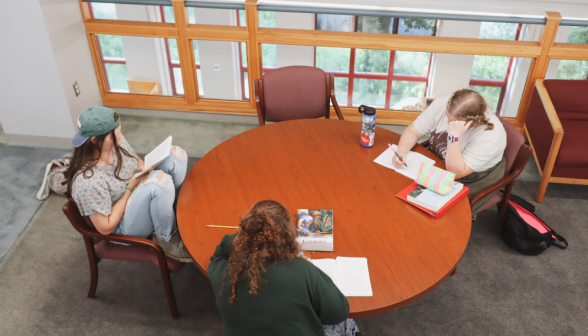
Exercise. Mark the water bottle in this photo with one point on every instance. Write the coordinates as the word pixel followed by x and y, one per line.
pixel 368 125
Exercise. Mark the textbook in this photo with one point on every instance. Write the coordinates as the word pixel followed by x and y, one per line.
pixel 350 275
pixel 431 200
pixel 156 156
pixel 443 205
pixel 314 229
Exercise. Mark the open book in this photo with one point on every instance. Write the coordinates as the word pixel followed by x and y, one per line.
pixel 350 275
pixel 432 200
pixel 156 156
pixel 413 161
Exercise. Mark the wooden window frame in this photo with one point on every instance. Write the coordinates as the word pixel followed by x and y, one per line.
pixel 501 83
pixel 389 77
pixel 540 52
pixel 103 60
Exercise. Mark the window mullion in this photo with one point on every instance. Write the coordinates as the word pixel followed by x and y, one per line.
pixel 390 78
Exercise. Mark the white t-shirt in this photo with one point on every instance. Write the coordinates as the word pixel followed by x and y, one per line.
pixel 481 149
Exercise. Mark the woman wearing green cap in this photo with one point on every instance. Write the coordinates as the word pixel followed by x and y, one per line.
pixel 98 177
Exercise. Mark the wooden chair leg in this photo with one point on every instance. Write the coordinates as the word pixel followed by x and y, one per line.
pixel 542 187
pixel 171 300
pixel 453 272
pixel 93 267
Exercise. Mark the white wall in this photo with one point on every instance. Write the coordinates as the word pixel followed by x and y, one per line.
pixel 63 20
pixel 223 84
pixel 287 55
pixel 144 55
pixel 32 98
pixel 452 72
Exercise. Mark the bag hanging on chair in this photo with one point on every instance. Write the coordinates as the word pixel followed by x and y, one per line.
pixel 525 232
pixel 54 178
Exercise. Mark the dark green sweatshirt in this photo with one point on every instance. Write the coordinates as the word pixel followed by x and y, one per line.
pixel 295 298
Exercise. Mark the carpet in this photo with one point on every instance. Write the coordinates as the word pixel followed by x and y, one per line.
pixel 21 175
pixel 496 291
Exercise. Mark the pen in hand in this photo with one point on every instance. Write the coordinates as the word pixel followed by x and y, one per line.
pixel 397 155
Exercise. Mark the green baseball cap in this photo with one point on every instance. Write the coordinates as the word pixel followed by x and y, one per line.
pixel 94 121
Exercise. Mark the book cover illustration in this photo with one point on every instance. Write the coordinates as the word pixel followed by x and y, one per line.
pixel 314 229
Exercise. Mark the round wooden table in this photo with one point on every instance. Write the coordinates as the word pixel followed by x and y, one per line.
pixel 319 164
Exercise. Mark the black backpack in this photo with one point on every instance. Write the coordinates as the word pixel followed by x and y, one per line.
pixel 522 229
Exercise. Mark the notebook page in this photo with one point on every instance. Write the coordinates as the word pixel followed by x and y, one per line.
pixel 435 199
pixel 328 266
pixel 353 277
pixel 413 161
pixel 159 153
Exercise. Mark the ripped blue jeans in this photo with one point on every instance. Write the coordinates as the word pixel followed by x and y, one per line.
pixel 151 206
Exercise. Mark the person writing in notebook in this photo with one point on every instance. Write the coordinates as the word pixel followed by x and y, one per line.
pixel 466 135
pixel 98 180
pixel 264 286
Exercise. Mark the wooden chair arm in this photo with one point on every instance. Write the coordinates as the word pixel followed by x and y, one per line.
pixel 259 103
pixel 548 106
pixel 334 100
pixel 520 162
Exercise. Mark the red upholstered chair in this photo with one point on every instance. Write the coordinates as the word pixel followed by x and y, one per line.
pixel 100 247
pixel 295 92
pixel 517 155
pixel 558 107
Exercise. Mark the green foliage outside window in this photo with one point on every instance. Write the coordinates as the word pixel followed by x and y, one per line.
pixel 173 50
pixel 341 90
pixel 490 93
pixel 111 46
pixel 375 61
pixel 369 92
pixel 578 35
pixel 168 14
pixel 570 69
pixel 117 77
pixel 411 63
pixel 402 90
pixel 106 11
pixel 333 59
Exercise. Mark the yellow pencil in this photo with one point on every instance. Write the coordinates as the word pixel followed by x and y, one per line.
pixel 222 227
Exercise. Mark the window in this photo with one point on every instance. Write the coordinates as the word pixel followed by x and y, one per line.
pixel 571 69
pixel 114 63
pixel 173 55
pixel 490 74
pixel 268 51
pixel 110 49
pixel 381 78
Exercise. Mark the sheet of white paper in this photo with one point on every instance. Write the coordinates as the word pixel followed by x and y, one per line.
pixel 413 161
pixel 329 266
pixel 353 277
pixel 157 155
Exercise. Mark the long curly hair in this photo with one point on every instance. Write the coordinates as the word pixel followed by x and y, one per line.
pixel 468 105
pixel 265 236
pixel 87 155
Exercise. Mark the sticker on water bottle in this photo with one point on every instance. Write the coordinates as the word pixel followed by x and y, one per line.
pixel 368 130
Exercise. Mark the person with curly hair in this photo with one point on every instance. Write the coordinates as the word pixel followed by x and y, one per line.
pixel 264 286
pixel 466 135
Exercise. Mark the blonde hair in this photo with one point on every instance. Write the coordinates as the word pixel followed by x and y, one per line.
pixel 468 105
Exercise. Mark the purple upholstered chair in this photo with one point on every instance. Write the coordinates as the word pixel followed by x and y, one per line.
pixel 100 247
pixel 295 92
pixel 517 155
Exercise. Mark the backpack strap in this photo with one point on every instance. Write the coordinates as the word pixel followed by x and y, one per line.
pixel 561 239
